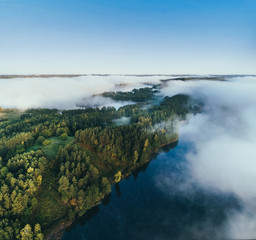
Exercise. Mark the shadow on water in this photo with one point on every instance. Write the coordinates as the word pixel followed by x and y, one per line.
pixel 118 190
pixel 136 172
pixel 157 203
pixel 90 214
pixel 168 147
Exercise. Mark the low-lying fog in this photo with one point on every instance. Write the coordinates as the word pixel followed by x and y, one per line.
pixel 224 138
pixel 69 92
pixel 66 92
pixel 223 159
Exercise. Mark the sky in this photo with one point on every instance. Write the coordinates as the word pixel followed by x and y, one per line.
pixel 128 36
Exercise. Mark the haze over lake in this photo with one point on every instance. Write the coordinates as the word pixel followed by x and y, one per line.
pixel 204 188
pixel 127 120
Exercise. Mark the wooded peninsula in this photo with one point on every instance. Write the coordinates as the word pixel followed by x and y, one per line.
pixel 55 165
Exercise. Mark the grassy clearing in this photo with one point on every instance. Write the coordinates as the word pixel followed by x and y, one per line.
pixel 51 150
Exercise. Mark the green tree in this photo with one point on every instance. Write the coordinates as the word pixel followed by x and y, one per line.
pixel 26 233
pixel 106 187
pixel 38 233
pixel 64 136
pixel 63 188
pixel 40 140
pixel 46 142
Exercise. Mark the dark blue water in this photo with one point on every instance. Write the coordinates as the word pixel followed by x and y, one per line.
pixel 159 202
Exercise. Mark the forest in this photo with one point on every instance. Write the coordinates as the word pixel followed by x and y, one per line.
pixel 57 164
pixel 136 95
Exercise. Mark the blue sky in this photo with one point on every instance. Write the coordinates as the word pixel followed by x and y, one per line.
pixel 128 36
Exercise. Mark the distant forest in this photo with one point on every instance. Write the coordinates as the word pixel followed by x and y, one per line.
pixel 136 95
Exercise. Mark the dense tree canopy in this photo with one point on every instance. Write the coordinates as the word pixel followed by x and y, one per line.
pixel 74 155
pixel 136 95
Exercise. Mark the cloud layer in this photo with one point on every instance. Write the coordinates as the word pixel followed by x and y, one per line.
pixel 64 93
pixel 224 137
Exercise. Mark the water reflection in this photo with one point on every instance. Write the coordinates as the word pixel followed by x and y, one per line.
pixel 118 190
pixel 158 202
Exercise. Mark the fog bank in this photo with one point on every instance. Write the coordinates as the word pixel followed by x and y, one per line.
pixel 65 93
pixel 223 159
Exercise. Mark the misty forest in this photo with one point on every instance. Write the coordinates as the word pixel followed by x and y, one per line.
pixel 147 158
pixel 58 164
pixel 127 120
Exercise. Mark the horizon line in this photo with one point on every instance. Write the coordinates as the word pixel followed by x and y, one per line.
pixel 3 76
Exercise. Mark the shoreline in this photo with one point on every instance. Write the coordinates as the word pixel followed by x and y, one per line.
pixel 57 231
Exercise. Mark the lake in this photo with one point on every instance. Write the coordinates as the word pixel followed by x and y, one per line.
pixel 158 202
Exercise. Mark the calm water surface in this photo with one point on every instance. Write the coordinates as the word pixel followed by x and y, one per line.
pixel 158 202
